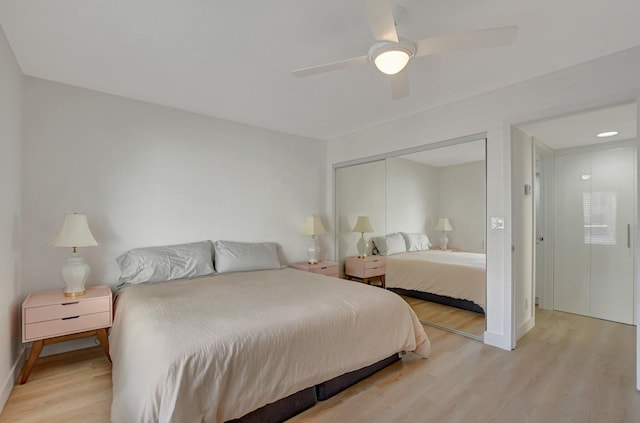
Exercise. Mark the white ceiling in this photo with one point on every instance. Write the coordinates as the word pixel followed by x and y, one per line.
pixel 452 155
pixel 581 129
pixel 232 59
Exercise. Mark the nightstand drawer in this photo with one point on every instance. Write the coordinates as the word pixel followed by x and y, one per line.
pixel 70 324
pixel 373 263
pixel 326 270
pixel 66 309
pixel 323 267
pixel 374 271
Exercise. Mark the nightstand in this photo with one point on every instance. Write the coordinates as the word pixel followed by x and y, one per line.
pixel 323 267
pixel 366 269
pixel 48 317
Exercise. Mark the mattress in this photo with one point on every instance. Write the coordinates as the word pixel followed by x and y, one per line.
pixel 214 349
pixel 458 275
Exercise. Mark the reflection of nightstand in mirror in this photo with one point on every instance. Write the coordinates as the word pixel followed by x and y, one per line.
pixel 366 269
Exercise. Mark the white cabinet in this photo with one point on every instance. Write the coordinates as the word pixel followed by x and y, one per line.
pixel 594 222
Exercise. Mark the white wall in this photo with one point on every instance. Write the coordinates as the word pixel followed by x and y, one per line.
pixel 462 199
pixel 412 197
pixel 417 194
pixel 360 191
pixel 603 81
pixel 151 175
pixel 10 151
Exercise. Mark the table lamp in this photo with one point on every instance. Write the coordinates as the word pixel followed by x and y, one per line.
pixel 313 227
pixel 362 225
pixel 74 233
pixel 445 226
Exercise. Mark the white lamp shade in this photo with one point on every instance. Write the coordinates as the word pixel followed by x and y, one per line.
pixel 314 226
pixel 444 225
pixel 74 232
pixel 363 225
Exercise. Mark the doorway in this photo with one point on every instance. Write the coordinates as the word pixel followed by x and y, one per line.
pixel 585 212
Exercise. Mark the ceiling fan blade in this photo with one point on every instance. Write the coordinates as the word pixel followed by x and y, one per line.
pixel 399 84
pixel 381 20
pixel 492 37
pixel 314 70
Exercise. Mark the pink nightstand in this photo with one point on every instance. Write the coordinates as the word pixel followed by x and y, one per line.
pixel 366 269
pixel 49 317
pixel 323 267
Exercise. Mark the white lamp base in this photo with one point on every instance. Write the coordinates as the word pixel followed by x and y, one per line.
pixel 445 241
pixel 75 273
pixel 313 251
pixel 362 246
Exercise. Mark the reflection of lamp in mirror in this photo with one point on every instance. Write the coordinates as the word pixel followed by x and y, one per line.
pixel 313 227
pixel 444 226
pixel 74 233
pixel 362 225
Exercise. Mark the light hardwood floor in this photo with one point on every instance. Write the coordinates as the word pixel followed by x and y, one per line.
pixel 449 317
pixel 567 369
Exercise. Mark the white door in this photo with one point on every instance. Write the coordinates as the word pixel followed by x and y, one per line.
pixel 612 217
pixel 593 260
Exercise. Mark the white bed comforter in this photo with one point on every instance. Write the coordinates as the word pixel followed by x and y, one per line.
pixel 453 274
pixel 214 349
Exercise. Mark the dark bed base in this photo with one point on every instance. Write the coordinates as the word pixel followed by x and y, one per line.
pixel 281 410
pixel 338 384
pixel 440 299
pixel 292 405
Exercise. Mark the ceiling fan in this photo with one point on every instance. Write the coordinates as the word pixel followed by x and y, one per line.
pixel 390 53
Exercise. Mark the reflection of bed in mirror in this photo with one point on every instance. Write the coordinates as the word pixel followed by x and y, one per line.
pixel 452 278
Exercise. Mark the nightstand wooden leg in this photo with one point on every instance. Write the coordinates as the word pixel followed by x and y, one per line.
pixel 36 349
pixel 104 341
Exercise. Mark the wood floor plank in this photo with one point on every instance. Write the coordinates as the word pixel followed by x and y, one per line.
pixel 447 316
pixel 567 369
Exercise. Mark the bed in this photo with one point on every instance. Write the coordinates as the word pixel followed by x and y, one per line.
pixel 216 348
pixel 452 278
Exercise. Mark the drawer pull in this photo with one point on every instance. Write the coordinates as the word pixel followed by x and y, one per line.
pixel 69 318
pixel 73 302
pixel 324 267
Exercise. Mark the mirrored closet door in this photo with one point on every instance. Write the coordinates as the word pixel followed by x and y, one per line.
pixel 413 201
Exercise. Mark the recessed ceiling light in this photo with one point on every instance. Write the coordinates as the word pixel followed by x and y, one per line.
pixel 586 177
pixel 607 134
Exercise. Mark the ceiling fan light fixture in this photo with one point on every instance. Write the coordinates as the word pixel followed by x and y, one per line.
pixel 392 61
pixel 389 57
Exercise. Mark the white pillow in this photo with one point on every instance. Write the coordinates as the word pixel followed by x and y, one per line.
pixel 390 244
pixel 416 241
pixel 156 264
pixel 245 256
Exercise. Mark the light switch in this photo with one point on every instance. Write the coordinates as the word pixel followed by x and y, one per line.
pixel 497 223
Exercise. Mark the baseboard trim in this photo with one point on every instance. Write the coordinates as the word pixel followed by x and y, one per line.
pixel 497 340
pixel 12 377
pixel 524 328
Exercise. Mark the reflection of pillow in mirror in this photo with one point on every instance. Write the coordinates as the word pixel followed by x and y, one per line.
pixel 378 245
pixel 416 242
pixel 390 244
